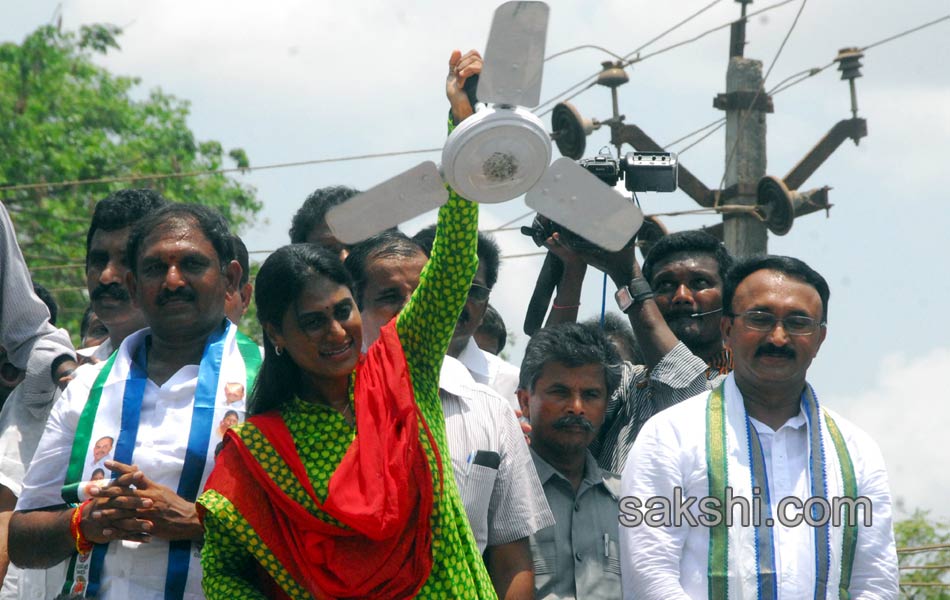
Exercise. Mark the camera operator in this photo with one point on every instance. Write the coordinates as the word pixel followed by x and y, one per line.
pixel 674 306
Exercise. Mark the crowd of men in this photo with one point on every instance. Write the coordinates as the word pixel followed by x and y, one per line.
pixel 700 391
pixel 676 451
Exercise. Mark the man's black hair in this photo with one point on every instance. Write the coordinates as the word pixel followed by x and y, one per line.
pixel 122 209
pixel 314 210
pixel 573 345
pixel 44 294
pixel 494 325
pixel 240 255
pixel 687 241
pixel 391 242
pixel 489 253
pixel 788 265
pixel 208 220
pixel 619 332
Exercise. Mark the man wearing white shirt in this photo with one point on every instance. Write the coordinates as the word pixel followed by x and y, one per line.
pixel 503 498
pixel 806 490
pixel 160 396
pixel 485 367
pixel 22 423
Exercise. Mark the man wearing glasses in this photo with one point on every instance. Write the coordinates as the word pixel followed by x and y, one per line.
pixel 486 368
pixel 758 490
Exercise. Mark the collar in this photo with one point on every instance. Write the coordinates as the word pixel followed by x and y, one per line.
pixel 475 359
pixel 796 422
pixel 454 378
pixel 593 474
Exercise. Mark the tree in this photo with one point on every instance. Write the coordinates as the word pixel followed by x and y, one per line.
pixel 924 547
pixel 63 118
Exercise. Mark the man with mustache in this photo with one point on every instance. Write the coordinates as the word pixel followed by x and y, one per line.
pixel 106 266
pixel 485 367
pixel 568 373
pixel 161 397
pixel 759 439
pixel 674 306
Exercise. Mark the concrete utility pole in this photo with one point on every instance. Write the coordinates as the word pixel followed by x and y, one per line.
pixel 752 203
pixel 744 234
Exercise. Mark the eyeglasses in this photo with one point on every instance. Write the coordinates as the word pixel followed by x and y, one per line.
pixel 757 320
pixel 478 293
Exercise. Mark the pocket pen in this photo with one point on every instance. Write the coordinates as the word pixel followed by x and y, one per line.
pixel 606 546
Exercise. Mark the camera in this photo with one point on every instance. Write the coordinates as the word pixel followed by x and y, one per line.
pixel 640 171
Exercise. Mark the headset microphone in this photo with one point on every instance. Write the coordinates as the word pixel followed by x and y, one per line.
pixel 703 314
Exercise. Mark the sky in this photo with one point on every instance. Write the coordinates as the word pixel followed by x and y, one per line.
pixel 302 80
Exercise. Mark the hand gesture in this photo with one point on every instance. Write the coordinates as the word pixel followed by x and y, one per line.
pixel 460 69
pixel 114 512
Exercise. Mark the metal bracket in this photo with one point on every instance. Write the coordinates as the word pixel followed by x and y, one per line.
pixel 742 100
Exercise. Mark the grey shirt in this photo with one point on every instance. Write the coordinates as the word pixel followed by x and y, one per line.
pixel 641 394
pixel 579 557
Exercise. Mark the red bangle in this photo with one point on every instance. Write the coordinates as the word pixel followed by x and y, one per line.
pixel 557 306
pixel 83 546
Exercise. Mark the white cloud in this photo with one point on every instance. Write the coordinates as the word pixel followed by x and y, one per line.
pixel 905 408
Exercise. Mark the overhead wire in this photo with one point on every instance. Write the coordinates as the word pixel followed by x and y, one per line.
pixel 159 176
pixel 590 80
pixel 200 173
pixel 672 29
pixel 585 47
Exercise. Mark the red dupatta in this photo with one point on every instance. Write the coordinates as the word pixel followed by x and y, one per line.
pixel 382 491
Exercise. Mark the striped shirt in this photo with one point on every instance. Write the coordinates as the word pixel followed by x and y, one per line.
pixel 644 392
pixel 500 489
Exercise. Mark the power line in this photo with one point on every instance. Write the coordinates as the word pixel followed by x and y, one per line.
pixel 160 176
pixel 672 29
pixel 758 92
pixel 638 59
pixel 584 47
pixel 903 33
pixel 697 131
pixel 705 33
pixel 775 90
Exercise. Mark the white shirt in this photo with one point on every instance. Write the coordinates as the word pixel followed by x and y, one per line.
pixel 131 570
pixel 492 371
pixel 671 562
pixel 503 503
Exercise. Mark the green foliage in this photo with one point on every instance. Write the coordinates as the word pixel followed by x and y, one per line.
pixel 916 532
pixel 63 118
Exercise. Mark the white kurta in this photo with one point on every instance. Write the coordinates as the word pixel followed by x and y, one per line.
pixel 131 570
pixel 667 563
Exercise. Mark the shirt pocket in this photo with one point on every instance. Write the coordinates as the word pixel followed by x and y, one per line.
pixel 612 558
pixel 476 498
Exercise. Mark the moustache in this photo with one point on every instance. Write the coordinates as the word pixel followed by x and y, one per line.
pixel 113 290
pixel 167 296
pixel 573 421
pixel 773 350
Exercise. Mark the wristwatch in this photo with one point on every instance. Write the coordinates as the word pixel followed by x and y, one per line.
pixel 635 292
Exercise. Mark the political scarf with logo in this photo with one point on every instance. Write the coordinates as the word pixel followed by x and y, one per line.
pixel 742 559
pixel 229 362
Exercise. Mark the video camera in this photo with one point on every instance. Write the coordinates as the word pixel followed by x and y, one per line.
pixel 640 172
